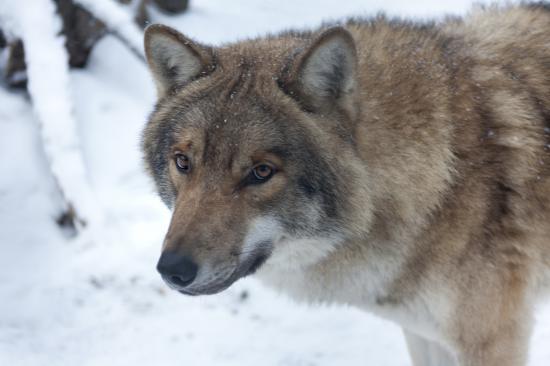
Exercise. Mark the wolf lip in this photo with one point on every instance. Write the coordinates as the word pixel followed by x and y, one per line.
pixel 211 290
pixel 256 264
pixel 253 267
pixel 183 292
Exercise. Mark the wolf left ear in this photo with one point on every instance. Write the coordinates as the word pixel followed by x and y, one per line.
pixel 325 73
pixel 174 59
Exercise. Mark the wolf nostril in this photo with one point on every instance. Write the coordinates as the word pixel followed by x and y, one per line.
pixel 180 281
pixel 177 269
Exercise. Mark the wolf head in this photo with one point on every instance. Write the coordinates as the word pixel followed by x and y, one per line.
pixel 252 145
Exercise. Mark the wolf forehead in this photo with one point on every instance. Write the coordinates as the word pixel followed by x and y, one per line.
pixel 220 135
pixel 224 133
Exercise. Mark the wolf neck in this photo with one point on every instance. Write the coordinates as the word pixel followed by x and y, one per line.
pixel 405 132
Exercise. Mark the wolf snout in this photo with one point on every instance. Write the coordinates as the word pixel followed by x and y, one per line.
pixel 176 269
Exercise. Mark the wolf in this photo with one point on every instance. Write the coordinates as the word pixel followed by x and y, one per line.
pixel 398 167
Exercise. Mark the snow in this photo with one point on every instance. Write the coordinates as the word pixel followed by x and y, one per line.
pixel 82 302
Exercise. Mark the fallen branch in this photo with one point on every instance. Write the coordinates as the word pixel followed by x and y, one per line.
pixel 49 89
pixel 118 21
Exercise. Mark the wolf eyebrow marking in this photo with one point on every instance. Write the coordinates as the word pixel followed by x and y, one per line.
pixel 283 152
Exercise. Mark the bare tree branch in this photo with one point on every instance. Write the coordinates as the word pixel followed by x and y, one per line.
pixel 119 22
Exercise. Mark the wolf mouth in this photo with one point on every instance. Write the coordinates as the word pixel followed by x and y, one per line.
pixel 245 269
pixel 256 264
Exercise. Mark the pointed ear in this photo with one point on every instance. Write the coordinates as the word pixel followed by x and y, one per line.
pixel 173 59
pixel 325 73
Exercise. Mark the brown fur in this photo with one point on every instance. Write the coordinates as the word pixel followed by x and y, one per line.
pixel 443 145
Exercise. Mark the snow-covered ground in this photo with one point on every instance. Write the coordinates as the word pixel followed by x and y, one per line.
pixel 100 302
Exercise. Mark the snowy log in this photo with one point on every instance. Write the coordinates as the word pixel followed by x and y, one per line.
pixel 34 27
pixel 37 24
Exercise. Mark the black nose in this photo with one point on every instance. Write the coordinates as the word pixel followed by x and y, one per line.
pixel 177 269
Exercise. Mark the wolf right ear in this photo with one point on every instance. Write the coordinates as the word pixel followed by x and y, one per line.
pixel 174 60
pixel 324 74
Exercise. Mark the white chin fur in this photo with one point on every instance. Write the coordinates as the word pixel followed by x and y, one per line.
pixel 288 253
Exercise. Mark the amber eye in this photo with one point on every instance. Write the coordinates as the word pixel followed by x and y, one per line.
pixel 263 172
pixel 182 162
